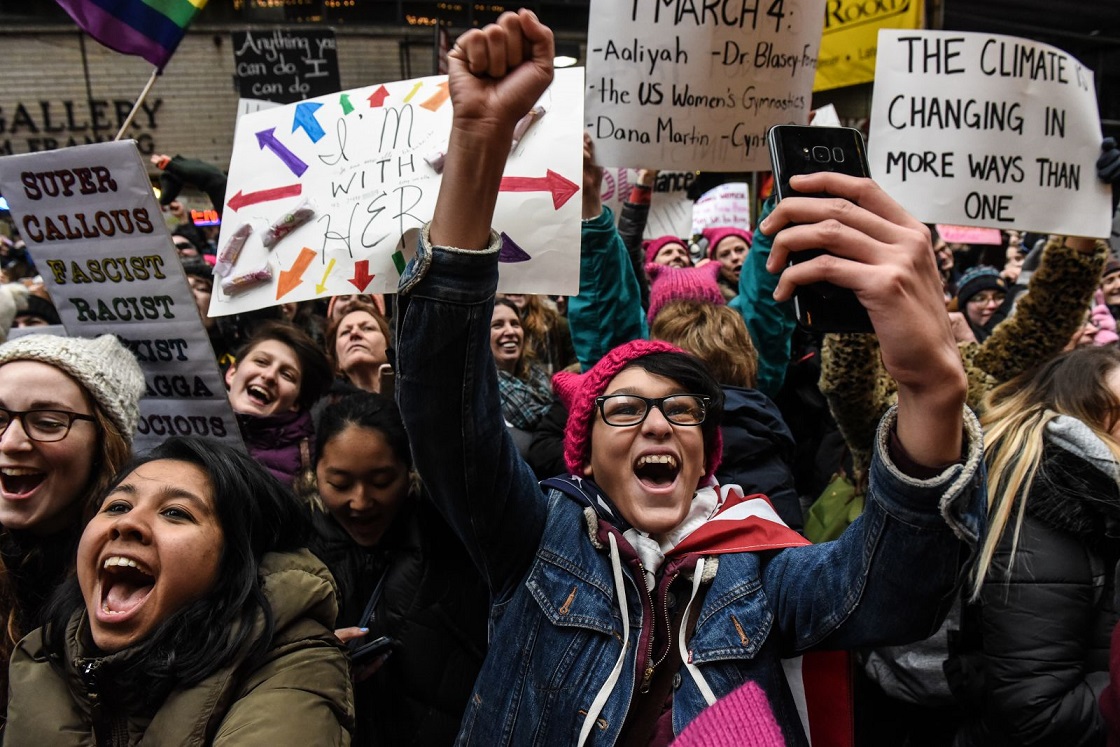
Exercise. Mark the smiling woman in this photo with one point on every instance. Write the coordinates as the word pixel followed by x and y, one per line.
pixel 194 616
pixel 68 409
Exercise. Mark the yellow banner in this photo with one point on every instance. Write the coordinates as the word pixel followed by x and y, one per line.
pixel 851 30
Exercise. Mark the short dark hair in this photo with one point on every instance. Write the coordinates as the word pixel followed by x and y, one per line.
pixel 364 410
pixel 694 377
pixel 315 371
pixel 257 515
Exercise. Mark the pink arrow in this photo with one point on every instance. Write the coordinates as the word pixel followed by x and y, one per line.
pixel 240 200
pixel 377 98
pixel 561 188
pixel 361 277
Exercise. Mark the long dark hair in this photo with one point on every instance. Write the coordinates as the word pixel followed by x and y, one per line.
pixel 364 410
pixel 257 515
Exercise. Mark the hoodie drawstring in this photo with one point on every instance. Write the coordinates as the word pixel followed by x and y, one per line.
pixel 697 676
pixel 608 687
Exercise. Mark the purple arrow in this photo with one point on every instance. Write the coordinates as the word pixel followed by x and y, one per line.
pixel 511 252
pixel 267 139
pixel 305 118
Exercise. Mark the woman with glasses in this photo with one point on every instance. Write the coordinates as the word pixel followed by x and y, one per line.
pixel 634 591
pixel 980 295
pixel 68 410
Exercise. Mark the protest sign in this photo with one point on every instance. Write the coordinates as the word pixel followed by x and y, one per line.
pixel 985 130
pixel 967 235
pixel 285 65
pixel 725 205
pixel 674 84
pixel 850 36
pixel 90 219
pixel 324 190
pixel 670 210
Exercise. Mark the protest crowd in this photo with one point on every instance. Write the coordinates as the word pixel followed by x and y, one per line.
pixel 655 512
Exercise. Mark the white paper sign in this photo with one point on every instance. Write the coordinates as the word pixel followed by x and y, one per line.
pixel 92 224
pixel 362 161
pixel 678 84
pixel 670 210
pixel 725 205
pixel 985 130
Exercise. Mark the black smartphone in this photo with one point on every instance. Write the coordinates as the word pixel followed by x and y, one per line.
pixel 367 652
pixel 796 150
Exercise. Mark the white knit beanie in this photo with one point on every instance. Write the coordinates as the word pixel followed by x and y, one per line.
pixel 105 367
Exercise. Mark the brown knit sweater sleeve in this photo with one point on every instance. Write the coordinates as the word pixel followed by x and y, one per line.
pixel 1058 296
pixel 858 391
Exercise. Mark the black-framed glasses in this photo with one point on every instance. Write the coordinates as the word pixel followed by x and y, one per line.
pixel 622 410
pixel 41 425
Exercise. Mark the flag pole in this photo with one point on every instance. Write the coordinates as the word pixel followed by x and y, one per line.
pixel 139 101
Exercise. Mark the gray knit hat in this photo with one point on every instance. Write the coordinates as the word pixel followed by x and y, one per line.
pixel 105 367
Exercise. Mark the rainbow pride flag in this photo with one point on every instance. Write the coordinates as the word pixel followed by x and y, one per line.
pixel 151 29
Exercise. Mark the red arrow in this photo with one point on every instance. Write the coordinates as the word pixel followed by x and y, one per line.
pixel 361 275
pixel 436 100
pixel 290 279
pixel 561 189
pixel 377 98
pixel 240 200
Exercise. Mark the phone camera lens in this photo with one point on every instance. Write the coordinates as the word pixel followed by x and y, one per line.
pixel 821 154
pixel 838 154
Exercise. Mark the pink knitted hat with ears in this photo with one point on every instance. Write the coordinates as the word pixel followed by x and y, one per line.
pixel 743 718
pixel 719 233
pixel 653 246
pixel 683 283
pixel 578 393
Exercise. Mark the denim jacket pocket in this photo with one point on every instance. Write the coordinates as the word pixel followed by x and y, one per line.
pixel 732 625
pixel 569 597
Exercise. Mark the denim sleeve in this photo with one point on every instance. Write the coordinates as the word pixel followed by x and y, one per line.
pixel 608 310
pixel 447 389
pixel 891 577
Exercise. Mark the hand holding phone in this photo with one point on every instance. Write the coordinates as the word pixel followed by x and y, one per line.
pixel 795 151
pixel 367 652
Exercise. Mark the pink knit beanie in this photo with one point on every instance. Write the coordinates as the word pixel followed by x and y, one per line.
pixel 742 718
pixel 653 246
pixel 717 234
pixel 683 283
pixel 578 393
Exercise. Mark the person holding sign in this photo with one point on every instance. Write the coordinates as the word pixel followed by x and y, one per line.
pixel 585 645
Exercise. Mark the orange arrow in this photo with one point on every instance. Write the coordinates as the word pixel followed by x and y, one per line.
pixel 437 99
pixel 290 279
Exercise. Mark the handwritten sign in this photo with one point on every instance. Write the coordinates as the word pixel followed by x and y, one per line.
pixel 361 167
pixel 725 205
pixel 985 130
pixel 670 210
pixel 285 65
pixel 676 84
pixel 90 219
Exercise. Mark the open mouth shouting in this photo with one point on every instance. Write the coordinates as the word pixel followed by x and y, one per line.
pixel 125 585
pixel 20 482
pixel 657 471
pixel 260 395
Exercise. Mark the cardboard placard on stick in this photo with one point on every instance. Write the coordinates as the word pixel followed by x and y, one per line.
pixel 675 84
pixel 90 219
pixel 986 130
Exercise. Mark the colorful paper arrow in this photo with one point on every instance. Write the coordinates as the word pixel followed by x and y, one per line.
pixel 322 284
pixel 361 277
pixel 240 200
pixel 398 261
pixel 437 99
pixel 511 252
pixel 347 107
pixel 561 189
pixel 412 93
pixel 290 279
pixel 377 98
pixel 267 139
pixel 305 118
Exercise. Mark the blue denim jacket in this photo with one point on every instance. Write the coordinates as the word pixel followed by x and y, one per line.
pixel 556 627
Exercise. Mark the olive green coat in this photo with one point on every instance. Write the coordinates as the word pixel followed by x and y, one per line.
pixel 299 695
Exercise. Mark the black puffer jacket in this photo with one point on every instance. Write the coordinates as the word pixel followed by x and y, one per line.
pixel 1033 652
pixel 434 603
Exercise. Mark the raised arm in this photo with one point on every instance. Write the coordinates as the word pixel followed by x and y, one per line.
pixel 884 254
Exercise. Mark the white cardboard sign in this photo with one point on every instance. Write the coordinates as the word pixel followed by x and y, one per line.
pixel 92 224
pixel 363 162
pixel 678 84
pixel 986 130
pixel 725 205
